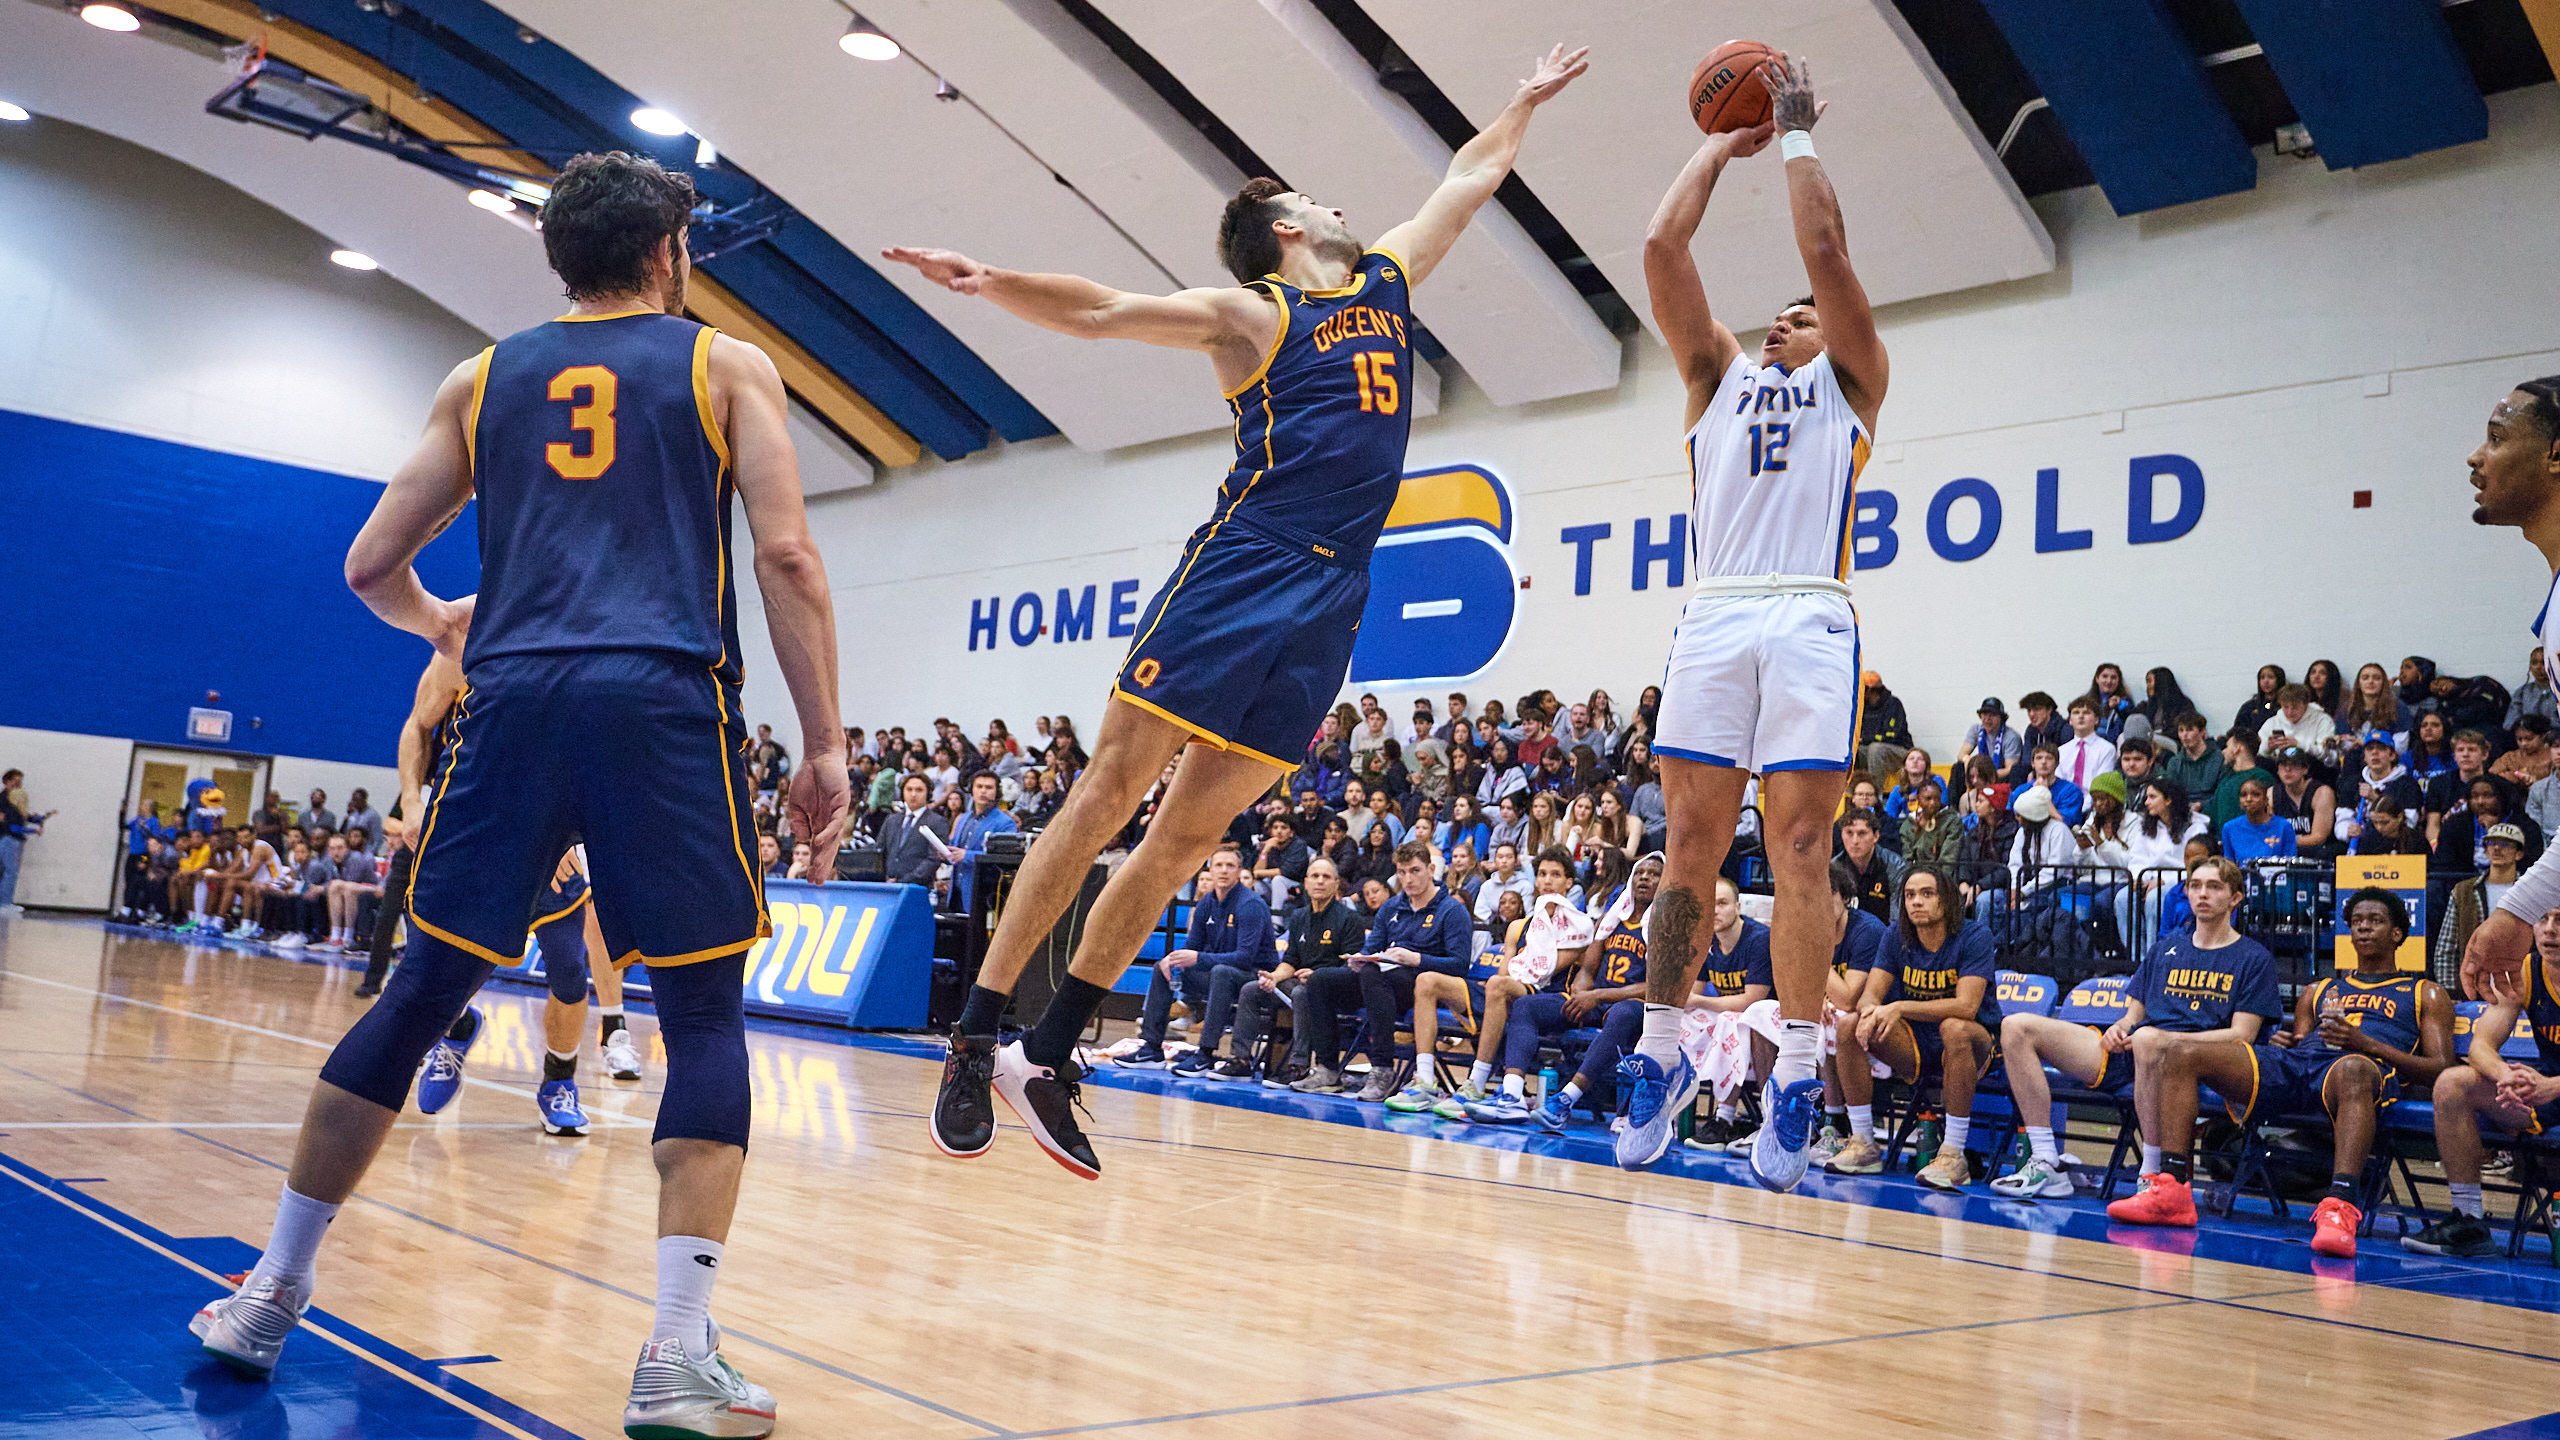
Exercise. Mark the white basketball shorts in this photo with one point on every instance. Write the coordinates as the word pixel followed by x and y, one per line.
pixel 1763 683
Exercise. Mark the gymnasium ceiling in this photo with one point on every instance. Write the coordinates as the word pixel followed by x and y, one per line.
pixel 1101 137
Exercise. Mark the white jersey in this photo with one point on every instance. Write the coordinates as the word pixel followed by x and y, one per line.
pixel 2537 891
pixel 1773 474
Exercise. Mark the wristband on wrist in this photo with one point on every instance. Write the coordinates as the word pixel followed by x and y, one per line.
pixel 1796 145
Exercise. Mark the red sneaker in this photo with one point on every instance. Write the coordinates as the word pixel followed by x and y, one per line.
pixel 2333 1228
pixel 2163 1200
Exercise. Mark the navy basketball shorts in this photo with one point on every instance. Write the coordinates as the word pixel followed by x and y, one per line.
pixel 2298 1082
pixel 1250 641
pixel 2117 1078
pixel 560 928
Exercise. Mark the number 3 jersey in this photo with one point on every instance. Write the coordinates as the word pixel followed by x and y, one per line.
pixel 1321 427
pixel 1773 472
pixel 603 486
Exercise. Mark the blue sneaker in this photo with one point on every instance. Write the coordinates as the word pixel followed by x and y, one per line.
pixel 560 1112
pixel 442 1079
pixel 1784 1146
pixel 1552 1115
pixel 1499 1108
pixel 1654 1098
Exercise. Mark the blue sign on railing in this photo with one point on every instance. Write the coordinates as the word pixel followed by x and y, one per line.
pixel 854 952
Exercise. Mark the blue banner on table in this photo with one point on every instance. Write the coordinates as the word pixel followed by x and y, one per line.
pixel 855 953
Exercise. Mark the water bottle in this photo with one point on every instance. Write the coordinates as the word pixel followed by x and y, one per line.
pixel 1924 1143
pixel 1548 1084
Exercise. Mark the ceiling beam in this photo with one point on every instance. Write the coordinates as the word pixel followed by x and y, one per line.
pixel 2328 55
pixel 816 386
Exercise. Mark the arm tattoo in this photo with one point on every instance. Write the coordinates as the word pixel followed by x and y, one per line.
pixel 441 525
pixel 1791 96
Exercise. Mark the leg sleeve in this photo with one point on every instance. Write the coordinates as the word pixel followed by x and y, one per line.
pixel 381 1054
pixel 702 1021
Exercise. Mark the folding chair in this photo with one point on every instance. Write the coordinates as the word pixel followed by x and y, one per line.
pixel 2096 1003
pixel 2033 992
pixel 2019 993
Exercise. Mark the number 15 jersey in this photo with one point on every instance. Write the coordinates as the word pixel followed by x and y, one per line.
pixel 603 485
pixel 1773 474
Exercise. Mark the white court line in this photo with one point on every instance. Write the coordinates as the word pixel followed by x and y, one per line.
pixel 618 1117
pixel 205 1125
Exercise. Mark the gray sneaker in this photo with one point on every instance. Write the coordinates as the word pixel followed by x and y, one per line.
pixel 1382 1083
pixel 246 1330
pixel 676 1397
pixel 1321 1080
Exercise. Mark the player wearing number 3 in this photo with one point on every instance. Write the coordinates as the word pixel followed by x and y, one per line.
pixel 1249 641
pixel 1763 675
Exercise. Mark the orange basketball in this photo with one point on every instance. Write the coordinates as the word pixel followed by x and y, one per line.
pixel 1726 92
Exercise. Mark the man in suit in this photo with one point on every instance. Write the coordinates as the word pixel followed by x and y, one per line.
pixel 909 857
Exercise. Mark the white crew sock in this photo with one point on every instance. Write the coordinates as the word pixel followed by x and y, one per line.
pixel 1478 1073
pixel 1799 1052
pixel 200 899
pixel 301 1223
pixel 1516 1085
pixel 1572 1093
pixel 2466 1200
pixel 1959 1130
pixel 1862 1122
pixel 2151 1160
pixel 567 1057
pixel 339 933
pixel 2041 1138
pixel 1661 1040
pixel 686 1267
pixel 1726 1110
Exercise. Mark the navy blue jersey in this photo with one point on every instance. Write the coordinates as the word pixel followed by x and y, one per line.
pixel 1320 428
pixel 604 488
pixel 1622 954
pixel 1747 964
pixel 2388 1009
pixel 1858 944
pixel 1923 974
pixel 2183 986
pixel 2542 1012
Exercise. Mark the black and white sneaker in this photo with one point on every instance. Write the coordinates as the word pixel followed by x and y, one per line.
pixel 964 1119
pixel 1045 1100
pixel 2465 1236
pixel 1194 1062
pixel 1237 1068
pixel 1149 1058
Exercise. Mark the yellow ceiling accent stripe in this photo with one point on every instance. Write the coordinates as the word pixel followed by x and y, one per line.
pixel 2545 15
pixel 349 68
pixel 818 387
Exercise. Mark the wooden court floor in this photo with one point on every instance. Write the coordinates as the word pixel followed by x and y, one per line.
pixel 1235 1273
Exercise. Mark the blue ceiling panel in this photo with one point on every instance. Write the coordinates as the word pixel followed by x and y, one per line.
pixel 2374 80
pixel 2126 89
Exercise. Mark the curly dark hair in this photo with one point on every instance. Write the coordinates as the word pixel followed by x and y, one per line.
pixel 605 218
pixel 1246 245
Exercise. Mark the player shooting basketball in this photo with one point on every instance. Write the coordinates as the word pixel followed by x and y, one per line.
pixel 1240 653
pixel 1764 666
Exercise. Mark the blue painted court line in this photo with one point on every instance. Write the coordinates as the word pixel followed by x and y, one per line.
pixel 466 1360
pixel 111 1357
pixel 2543 1427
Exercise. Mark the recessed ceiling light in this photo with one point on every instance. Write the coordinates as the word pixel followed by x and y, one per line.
pixel 493 202
pixel 863 41
pixel 110 17
pixel 10 111
pixel 354 259
pixel 656 121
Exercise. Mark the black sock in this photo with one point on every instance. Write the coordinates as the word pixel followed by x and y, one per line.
pixel 1838 1120
pixel 465 1025
pixel 984 1011
pixel 611 1024
pixel 1053 1040
pixel 555 1067
pixel 2176 1166
pixel 2343 1187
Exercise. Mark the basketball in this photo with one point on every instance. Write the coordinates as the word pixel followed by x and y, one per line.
pixel 1726 92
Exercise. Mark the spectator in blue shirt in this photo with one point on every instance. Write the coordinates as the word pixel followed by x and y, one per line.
pixel 2069 800
pixel 969 834
pixel 2257 834
pixel 1423 927
pixel 1228 948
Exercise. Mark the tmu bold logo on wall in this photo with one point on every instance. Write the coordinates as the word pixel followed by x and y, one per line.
pixel 1442 590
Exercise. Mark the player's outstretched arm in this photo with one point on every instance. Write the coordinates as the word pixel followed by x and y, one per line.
pixel 1701 345
pixel 1478 169
pixel 1848 322
pixel 798 607
pixel 1202 320
pixel 437 687
pixel 424 495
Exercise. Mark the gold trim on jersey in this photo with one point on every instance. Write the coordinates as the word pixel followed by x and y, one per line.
pixel 702 394
pixel 471 418
pixel 1277 340
pixel 616 315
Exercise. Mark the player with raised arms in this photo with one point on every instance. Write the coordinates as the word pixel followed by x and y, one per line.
pixel 601 677
pixel 1240 653
pixel 1763 675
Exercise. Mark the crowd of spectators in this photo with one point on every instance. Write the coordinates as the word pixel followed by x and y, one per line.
pixel 293 876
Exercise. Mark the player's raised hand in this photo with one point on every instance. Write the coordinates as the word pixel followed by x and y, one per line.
pixel 1553 73
pixel 821 801
pixel 1791 102
pixel 947 268
pixel 2493 963
pixel 1743 144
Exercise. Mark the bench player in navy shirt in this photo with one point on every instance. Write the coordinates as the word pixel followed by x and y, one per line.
pixel 602 701
pixel 2518 1097
pixel 1928 1006
pixel 1247 644
pixel 2208 984
pixel 1736 976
